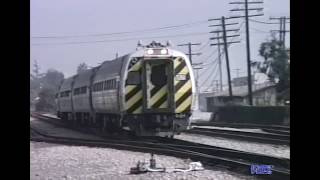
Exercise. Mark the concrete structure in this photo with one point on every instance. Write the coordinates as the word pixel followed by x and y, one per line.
pixel 263 95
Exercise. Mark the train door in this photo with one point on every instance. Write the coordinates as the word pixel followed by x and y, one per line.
pixel 158 83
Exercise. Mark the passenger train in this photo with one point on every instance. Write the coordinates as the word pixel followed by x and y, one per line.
pixel 150 92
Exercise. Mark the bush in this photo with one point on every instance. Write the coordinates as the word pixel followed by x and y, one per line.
pixel 46 101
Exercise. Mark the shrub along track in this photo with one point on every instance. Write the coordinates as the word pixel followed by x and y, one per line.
pixel 234 160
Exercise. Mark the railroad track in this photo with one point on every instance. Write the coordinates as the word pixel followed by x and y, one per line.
pixel 209 155
pixel 242 125
pixel 243 135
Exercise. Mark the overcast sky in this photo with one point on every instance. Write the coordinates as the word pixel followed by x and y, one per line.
pixel 56 18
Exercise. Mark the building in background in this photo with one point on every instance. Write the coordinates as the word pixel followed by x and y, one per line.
pixel 263 95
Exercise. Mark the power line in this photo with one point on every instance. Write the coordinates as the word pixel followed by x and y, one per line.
pixel 128 39
pixel 124 32
pixel 282 31
pixel 225 44
pixel 190 51
pixel 205 45
pixel 215 60
pixel 208 67
pixel 262 22
pixel 246 10
pixel 209 75
pixel 208 57
pixel 258 30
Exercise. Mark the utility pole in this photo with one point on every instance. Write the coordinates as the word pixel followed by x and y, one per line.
pixel 225 44
pixel 116 55
pixel 282 31
pixel 190 51
pixel 246 16
pixel 195 66
pixel 220 63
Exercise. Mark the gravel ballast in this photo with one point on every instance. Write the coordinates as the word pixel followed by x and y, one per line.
pixel 54 161
pixel 260 148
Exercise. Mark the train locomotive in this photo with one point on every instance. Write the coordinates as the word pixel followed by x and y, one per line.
pixel 149 92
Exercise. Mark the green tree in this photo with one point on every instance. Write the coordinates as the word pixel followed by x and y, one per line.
pixel 44 91
pixel 46 100
pixel 82 67
pixel 35 82
pixel 52 79
pixel 276 63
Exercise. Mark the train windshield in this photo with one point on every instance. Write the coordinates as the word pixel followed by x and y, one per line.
pixel 134 78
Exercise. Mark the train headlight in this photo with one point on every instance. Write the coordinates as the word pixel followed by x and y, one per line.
pixel 150 51
pixel 156 51
pixel 164 51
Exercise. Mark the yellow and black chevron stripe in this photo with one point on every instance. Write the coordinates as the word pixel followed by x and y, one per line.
pixel 133 93
pixel 159 97
pixel 183 88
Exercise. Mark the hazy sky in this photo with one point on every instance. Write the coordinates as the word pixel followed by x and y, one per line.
pixel 52 18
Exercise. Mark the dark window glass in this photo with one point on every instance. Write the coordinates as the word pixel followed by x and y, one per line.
pixel 133 78
pixel 83 90
pixel 76 91
pixel 95 87
pixel 158 75
pixel 105 85
pixel 115 84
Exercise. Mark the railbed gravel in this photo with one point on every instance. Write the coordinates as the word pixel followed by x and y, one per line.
pixel 282 151
pixel 54 161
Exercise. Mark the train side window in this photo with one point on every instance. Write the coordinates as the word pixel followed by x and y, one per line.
pixel 83 90
pixel 67 93
pixel 98 86
pixel 115 84
pixel 101 86
pixel 76 91
pixel 105 85
pixel 108 84
pixel 133 78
